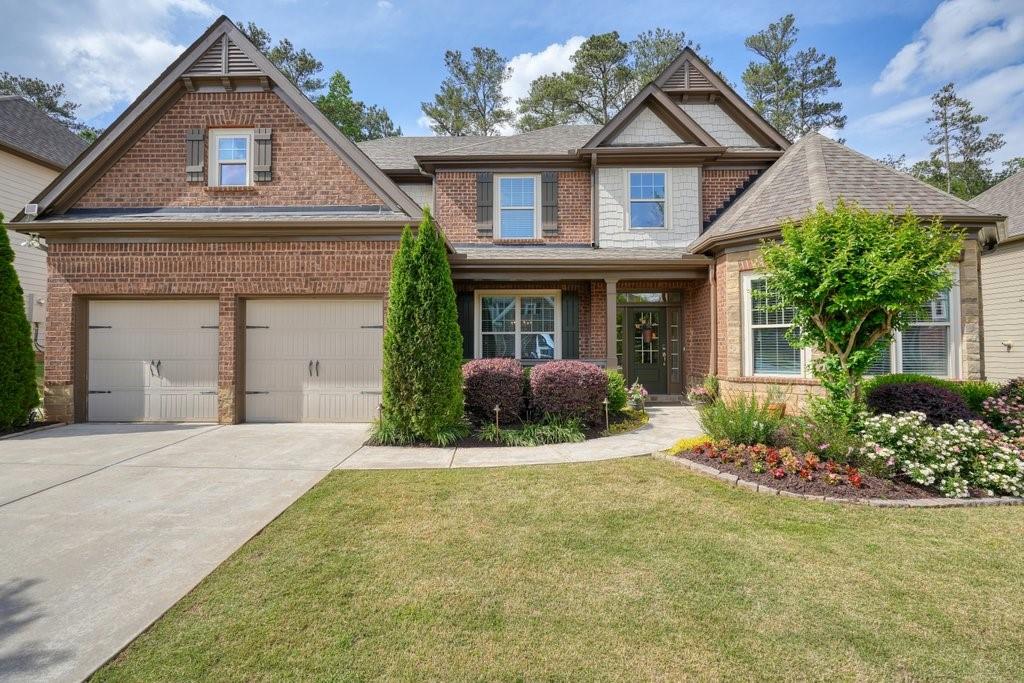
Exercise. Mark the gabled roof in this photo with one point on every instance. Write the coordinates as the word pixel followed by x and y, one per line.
pixel 224 48
pixel 688 73
pixel 555 140
pixel 399 153
pixel 1006 198
pixel 657 101
pixel 818 170
pixel 27 131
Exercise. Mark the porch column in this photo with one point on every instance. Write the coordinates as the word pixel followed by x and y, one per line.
pixel 610 293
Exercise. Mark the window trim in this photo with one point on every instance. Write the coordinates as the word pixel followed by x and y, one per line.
pixel 954 367
pixel 667 172
pixel 536 204
pixel 748 334
pixel 478 296
pixel 216 134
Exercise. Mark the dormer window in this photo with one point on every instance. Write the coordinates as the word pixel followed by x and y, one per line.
pixel 230 158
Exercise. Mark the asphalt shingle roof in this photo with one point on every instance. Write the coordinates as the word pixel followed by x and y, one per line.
pixel 817 170
pixel 1007 199
pixel 473 253
pixel 399 153
pixel 26 129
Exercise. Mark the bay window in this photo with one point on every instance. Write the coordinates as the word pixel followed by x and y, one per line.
pixel 928 345
pixel 767 351
pixel 523 325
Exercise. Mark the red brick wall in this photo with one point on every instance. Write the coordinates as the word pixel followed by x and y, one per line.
pixel 228 271
pixel 456 208
pixel 696 332
pixel 306 171
pixel 718 185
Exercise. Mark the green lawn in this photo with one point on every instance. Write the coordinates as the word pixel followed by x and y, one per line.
pixel 627 569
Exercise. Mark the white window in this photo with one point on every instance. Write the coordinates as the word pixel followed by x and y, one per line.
pixel 518 201
pixel 766 351
pixel 230 158
pixel 513 324
pixel 929 345
pixel 647 200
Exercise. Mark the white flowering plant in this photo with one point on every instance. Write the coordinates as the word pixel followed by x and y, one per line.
pixel 951 458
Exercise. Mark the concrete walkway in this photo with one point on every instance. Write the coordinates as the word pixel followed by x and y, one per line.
pixel 667 425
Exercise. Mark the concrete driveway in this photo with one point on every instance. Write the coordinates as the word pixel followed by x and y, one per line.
pixel 104 527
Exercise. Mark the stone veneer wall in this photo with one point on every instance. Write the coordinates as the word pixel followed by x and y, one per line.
pixel 228 272
pixel 728 273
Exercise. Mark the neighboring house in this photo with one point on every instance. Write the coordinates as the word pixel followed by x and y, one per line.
pixel 1002 294
pixel 223 252
pixel 33 150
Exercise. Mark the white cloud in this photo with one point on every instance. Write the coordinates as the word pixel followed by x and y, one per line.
pixel 960 38
pixel 385 4
pixel 529 65
pixel 104 51
pixel 424 123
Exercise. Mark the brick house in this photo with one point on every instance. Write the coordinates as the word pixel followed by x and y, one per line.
pixel 223 252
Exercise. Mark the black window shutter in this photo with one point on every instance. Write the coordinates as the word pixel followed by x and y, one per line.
pixel 194 154
pixel 484 204
pixel 570 325
pixel 261 163
pixel 549 202
pixel 464 303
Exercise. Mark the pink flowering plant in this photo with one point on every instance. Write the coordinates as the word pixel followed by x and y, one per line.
pixel 1005 410
pixel 637 395
pixel 952 458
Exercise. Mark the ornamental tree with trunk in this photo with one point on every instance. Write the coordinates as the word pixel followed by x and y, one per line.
pixel 853 277
pixel 18 392
pixel 422 384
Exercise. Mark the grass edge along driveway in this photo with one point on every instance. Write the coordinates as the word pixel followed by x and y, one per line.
pixel 620 569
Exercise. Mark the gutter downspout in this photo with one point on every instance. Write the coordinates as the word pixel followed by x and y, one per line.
pixel 713 297
pixel 596 239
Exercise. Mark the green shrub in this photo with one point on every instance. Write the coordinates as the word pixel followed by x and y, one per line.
pixel 616 391
pixel 974 392
pixel 828 430
pixel 742 420
pixel 18 393
pixel 548 431
pixel 422 384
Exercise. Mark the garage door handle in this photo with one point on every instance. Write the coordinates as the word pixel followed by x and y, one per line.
pixel 318 368
pixel 310 368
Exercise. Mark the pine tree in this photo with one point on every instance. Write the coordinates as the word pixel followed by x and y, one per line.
pixel 18 393
pixel 959 162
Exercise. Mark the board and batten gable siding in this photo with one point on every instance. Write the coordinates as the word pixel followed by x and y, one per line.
pixel 646 128
pixel 20 181
pixel 1003 304
pixel 683 207
pixel 719 124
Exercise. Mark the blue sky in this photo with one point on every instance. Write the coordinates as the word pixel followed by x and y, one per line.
pixel 891 54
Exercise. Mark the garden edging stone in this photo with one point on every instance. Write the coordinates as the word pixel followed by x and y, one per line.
pixel 871 502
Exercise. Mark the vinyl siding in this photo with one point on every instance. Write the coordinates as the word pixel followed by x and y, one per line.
pixel 646 129
pixel 421 193
pixel 719 124
pixel 683 207
pixel 20 181
pixel 1003 310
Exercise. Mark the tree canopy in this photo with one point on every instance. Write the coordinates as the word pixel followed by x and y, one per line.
pixel 471 100
pixel 852 277
pixel 789 87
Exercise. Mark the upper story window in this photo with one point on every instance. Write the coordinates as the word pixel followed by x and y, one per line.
pixel 928 346
pixel 647 199
pixel 767 351
pixel 518 206
pixel 230 158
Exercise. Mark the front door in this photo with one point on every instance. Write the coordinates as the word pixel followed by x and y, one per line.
pixel 648 340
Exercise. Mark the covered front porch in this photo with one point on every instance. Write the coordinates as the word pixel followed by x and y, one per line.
pixel 652 319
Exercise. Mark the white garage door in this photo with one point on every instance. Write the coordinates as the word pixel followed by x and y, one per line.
pixel 153 361
pixel 313 360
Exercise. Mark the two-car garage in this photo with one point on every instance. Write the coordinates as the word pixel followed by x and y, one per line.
pixel 305 360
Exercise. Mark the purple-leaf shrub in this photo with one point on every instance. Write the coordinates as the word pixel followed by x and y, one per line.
pixel 940 405
pixel 569 388
pixel 490 382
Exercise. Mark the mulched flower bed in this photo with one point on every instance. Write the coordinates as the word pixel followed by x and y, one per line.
pixel 818 482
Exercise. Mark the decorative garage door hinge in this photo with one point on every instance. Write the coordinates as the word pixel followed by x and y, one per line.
pixel 257 327
pixel 370 392
pixel 207 393
pixel 100 327
pixel 208 327
pixel 256 392
pixel 372 327
pixel 96 391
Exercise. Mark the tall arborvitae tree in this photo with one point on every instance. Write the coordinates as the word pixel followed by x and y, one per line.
pixel 959 161
pixel 471 100
pixel 18 392
pixel 422 383
pixel 789 88
pixel 437 377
